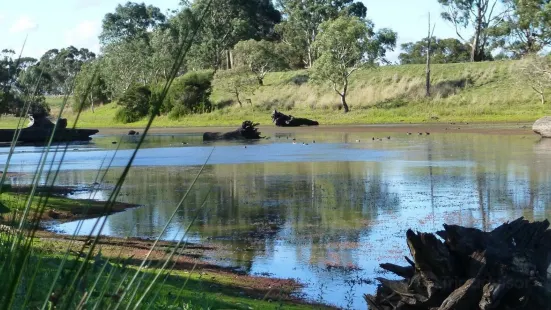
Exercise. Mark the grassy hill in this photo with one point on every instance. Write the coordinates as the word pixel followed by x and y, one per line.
pixel 475 92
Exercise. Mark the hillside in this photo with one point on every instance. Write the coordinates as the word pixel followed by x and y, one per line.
pixel 475 92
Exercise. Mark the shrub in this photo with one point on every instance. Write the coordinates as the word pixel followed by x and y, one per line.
pixel 189 93
pixel 135 104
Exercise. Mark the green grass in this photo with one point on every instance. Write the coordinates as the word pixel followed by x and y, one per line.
pixel 475 92
pixel 202 290
pixel 12 201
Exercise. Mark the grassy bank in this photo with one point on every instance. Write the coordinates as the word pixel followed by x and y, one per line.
pixel 475 92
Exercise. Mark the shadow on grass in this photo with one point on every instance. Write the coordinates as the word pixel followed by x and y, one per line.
pixel 201 290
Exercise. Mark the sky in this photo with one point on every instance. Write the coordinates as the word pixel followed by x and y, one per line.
pixel 61 23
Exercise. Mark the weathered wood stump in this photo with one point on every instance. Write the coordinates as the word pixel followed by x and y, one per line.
pixel 282 120
pixel 247 131
pixel 502 269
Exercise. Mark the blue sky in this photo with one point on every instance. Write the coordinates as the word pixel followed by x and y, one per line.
pixel 60 23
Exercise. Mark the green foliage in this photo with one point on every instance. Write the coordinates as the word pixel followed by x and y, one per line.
pixel 90 87
pixel 301 27
pixel 480 15
pixel 127 63
pixel 441 50
pixel 230 22
pixel 237 82
pixel 135 104
pixel 130 22
pixel 343 44
pixel 190 93
pixel 526 29
pixel 19 79
pixel 260 57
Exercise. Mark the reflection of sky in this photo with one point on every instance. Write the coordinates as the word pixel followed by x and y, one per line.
pixel 512 184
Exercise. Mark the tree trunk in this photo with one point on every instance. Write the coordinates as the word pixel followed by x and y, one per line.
pixel 228 59
pixel 427 82
pixel 309 55
pixel 238 100
pixel 542 97
pixel 92 102
pixel 471 269
pixel 475 50
pixel 260 81
pixel 344 104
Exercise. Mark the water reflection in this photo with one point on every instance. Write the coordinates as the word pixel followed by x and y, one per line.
pixel 331 222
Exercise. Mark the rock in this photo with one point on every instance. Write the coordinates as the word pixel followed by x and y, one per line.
pixel 543 127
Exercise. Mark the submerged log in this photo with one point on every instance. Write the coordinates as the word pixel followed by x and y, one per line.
pixel 247 131
pixel 282 120
pixel 472 269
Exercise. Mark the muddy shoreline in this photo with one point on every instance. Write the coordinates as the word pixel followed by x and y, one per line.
pixel 188 258
pixel 479 128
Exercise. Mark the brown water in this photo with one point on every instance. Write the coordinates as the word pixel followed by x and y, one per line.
pixel 326 213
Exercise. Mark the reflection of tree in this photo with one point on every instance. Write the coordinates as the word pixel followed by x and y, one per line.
pixel 316 205
pixel 324 208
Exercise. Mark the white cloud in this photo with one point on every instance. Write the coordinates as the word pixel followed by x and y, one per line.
pixel 84 35
pixel 23 24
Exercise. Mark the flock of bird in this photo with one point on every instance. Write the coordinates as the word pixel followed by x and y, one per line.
pixel 358 140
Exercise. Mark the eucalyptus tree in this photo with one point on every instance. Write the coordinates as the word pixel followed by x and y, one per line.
pixel 525 29
pixel 304 17
pixel 479 16
pixel 346 45
pixel 448 50
pixel 260 57
pixel 232 21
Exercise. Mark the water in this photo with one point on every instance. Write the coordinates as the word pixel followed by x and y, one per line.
pixel 326 213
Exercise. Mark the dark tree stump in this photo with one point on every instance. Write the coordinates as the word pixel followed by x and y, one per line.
pixel 502 269
pixel 282 120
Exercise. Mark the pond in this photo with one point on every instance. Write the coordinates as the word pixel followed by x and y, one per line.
pixel 326 210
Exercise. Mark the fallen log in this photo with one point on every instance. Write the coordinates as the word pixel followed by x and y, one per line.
pixel 282 120
pixel 471 269
pixel 247 131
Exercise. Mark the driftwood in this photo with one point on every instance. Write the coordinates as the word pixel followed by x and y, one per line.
pixel 502 269
pixel 247 131
pixel 282 120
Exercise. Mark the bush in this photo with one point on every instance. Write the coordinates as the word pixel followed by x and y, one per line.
pixel 135 104
pixel 189 93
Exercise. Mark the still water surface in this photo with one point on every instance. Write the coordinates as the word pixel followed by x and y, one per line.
pixel 326 213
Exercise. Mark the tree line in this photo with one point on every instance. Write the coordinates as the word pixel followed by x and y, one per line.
pixel 240 41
